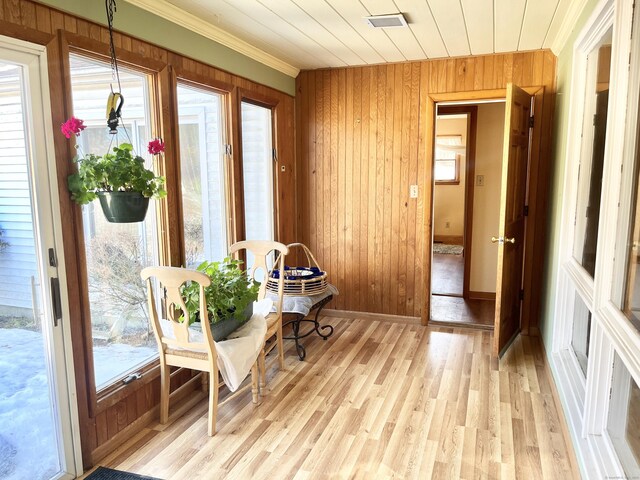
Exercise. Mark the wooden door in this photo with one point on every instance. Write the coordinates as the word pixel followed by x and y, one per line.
pixel 512 215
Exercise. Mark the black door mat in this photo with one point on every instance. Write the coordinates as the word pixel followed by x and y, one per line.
pixel 103 473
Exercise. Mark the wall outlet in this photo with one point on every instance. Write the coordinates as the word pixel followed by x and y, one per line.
pixel 480 180
pixel 447 225
pixel 413 191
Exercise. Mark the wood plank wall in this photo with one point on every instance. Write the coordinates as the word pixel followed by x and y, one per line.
pixel 362 140
pixel 106 422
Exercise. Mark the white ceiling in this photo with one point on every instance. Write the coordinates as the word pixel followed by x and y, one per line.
pixel 306 34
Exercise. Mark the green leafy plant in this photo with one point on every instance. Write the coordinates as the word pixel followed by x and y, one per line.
pixel 231 290
pixel 119 171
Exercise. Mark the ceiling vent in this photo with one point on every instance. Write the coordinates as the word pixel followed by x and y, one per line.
pixel 387 21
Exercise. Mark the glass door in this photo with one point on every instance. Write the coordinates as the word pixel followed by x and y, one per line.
pixel 36 440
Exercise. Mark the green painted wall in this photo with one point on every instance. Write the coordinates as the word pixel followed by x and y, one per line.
pixel 560 134
pixel 151 28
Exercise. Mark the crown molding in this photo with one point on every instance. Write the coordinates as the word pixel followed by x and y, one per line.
pixel 566 27
pixel 170 12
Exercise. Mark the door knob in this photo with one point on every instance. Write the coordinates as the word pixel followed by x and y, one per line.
pixel 502 240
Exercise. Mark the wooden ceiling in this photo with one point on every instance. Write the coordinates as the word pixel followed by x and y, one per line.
pixel 310 34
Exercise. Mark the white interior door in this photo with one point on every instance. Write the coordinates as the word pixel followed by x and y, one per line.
pixel 38 422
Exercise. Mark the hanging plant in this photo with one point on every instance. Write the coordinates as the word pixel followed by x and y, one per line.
pixel 119 178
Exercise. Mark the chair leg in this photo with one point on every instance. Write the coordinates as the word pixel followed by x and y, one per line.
pixel 262 369
pixel 254 382
pixel 165 386
pixel 205 382
pixel 280 349
pixel 213 402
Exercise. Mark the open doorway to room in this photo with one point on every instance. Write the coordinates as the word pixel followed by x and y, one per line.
pixel 466 207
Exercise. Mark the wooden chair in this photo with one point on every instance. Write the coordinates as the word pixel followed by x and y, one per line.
pixel 260 249
pixel 178 350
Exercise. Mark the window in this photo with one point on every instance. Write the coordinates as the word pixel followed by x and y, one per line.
pixel 580 333
pixel 116 253
pixel 626 285
pixel 595 347
pixel 257 172
pixel 447 159
pixel 631 301
pixel 623 424
pixel 202 154
pixel 258 157
pixel 596 101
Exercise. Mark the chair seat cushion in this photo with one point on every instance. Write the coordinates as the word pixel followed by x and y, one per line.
pixel 181 352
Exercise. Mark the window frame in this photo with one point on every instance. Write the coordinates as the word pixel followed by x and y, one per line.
pixel 456 179
pixel 178 75
pixel 218 88
pixel 269 103
pixel 100 400
pixel 586 401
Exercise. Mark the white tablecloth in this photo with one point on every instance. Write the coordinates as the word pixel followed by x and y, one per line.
pixel 239 351
pixel 301 305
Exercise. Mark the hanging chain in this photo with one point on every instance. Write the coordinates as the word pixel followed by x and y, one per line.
pixel 111 9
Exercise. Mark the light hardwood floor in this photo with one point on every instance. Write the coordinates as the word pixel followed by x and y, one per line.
pixel 447 274
pixel 458 310
pixel 377 400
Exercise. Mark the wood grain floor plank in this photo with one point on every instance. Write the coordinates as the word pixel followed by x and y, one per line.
pixel 377 400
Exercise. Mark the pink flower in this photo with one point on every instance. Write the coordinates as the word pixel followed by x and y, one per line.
pixel 73 126
pixel 156 146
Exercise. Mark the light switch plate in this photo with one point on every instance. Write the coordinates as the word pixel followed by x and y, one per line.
pixel 480 180
pixel 413 191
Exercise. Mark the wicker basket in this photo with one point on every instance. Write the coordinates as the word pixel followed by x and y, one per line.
pixel 300 281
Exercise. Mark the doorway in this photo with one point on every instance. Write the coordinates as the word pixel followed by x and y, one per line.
pixel 36 382
pixel 468 151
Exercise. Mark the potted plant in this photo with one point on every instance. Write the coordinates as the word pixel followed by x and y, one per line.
pixel 119 179
pixel 230 297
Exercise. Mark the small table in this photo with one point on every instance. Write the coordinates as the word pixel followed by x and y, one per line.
pixel 295 319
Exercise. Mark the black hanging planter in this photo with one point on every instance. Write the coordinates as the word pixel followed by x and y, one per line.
pixel 123 207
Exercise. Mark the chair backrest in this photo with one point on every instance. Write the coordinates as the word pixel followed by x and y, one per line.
pixel 171 280
pixel 260 249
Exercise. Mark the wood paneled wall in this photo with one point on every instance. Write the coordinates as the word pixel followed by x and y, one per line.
pixel 364 136
pixel 107 421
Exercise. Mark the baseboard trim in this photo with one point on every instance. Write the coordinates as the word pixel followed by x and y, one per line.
pixel 482 295
pixel 381 317
pixel 450 239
